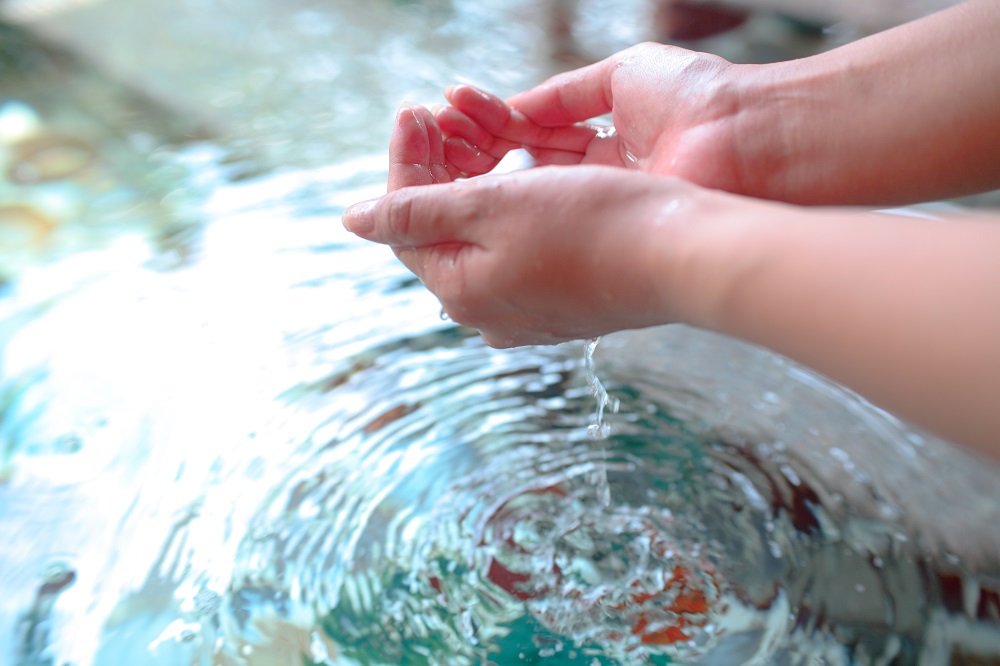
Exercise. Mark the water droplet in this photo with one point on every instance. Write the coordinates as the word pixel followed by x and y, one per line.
pixel 320 653
pixel 69 443
pixel 56 577
pixel 177 631
pixel 469 627
pixel 444 315
pixel 206 602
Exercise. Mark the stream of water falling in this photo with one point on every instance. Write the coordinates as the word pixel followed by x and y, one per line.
pixel 231 434
pixel 600 429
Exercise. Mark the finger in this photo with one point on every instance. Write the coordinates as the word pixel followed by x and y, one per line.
pixel 436 266
pixel 506 339
pixel 496 118
pixel 437 161
pixel 416 150
pixel 359 218
pixel 571 97
pixel 463 156
pixel 489 111
pixel 455 173
pixel 455 123
pixel 546 157
pixel 419 216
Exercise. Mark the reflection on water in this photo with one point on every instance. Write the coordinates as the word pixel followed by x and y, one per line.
pixel 230 433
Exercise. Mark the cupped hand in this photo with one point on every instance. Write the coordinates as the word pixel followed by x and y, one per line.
pixel 675 112
pixel 536 256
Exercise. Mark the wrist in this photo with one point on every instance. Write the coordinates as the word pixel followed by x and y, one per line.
pixel 708 243
pixel 787 116
pixel 898 117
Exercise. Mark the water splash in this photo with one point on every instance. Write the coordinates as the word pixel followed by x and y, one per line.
pixel 425 499
pixel 600 430
pixel 322 470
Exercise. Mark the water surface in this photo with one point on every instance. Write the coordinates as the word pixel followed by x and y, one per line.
pixel 231 433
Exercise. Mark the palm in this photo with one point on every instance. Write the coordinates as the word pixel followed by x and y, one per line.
pixel 684 140
pixel 516 279
pixel 670 118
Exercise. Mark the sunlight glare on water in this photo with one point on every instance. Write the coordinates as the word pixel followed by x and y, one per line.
pixel 233 434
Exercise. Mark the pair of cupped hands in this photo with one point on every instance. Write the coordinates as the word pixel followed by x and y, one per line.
pixel 575 247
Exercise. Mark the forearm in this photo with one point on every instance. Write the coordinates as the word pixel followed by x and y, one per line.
pixel 911 114
pixel 905 311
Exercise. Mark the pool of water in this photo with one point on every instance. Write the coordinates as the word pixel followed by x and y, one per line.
pixel 233 434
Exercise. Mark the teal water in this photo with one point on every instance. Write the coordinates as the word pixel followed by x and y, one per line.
pixel 230 433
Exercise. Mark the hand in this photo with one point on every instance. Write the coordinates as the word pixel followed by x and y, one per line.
pixel 675 113
pixel 537 256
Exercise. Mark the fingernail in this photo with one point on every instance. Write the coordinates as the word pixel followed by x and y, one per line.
pixel 492 99
pixel 434 108
pixel 449 91
pixel 360 219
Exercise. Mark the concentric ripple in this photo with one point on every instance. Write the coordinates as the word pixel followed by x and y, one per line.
pixel 460 508
pixel 457 519
pixel 232 434
pixel 388 490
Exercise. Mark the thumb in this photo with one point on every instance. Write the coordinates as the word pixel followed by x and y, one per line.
pixel 418 216
pixel 570 97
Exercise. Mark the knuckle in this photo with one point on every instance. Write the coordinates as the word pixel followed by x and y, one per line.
pixel 399 219
pixel 469 204
pixel 628 57
pixel 637 57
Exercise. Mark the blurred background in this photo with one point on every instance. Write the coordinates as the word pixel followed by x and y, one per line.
pixel 230 433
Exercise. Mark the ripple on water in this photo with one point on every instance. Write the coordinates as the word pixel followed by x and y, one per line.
pixel 428 500
pixel 454 519
pixel 456 514
pixel 423 500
